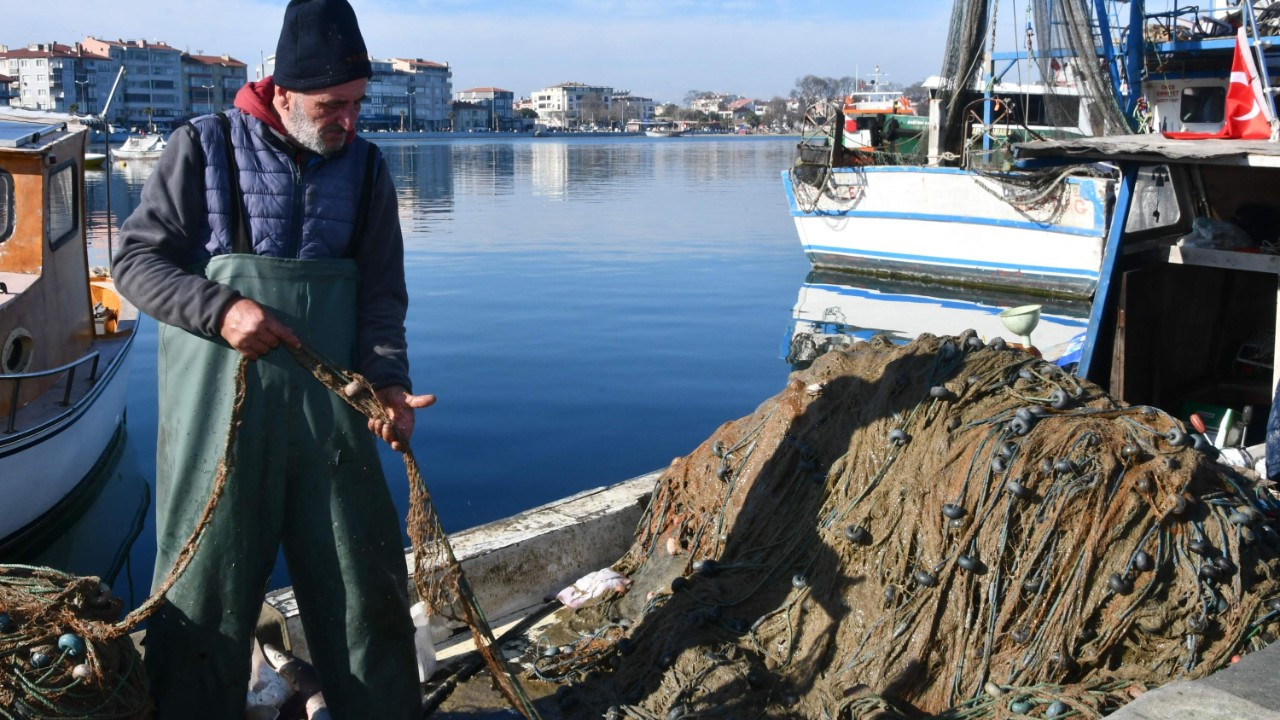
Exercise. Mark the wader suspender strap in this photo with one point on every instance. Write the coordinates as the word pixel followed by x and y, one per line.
pixel 366 199
pixel 240 242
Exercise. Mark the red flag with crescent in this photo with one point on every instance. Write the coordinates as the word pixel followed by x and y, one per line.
pixel 1247 113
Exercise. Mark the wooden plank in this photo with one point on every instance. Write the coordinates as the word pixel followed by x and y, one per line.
pixel 1225 259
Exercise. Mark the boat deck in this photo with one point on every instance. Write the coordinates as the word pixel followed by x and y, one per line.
pixel 49 405
pixel 15 284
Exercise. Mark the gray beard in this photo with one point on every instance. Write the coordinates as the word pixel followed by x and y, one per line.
pixel 306 134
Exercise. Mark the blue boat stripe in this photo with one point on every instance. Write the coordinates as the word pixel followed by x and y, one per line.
pixel 1040 269
pixel 1095 232
pixel 948 304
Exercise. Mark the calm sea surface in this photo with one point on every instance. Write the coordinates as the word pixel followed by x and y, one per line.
pixel 585 309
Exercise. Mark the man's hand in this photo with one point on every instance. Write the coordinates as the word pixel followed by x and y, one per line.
pixel 400 405
pixel 253 331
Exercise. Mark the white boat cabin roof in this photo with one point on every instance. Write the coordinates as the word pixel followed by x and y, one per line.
pixel 29 136
pixel 1156 148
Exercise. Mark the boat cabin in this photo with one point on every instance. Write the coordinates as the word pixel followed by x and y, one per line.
pixel 46 310
pixel 1185 312
pixel 64 335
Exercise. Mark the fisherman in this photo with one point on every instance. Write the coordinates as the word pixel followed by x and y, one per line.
pixel 263 226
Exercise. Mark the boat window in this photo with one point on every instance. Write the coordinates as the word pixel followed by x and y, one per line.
pixel 6 205
pixel 1155 200
pixel 62 205
pixel 1202 104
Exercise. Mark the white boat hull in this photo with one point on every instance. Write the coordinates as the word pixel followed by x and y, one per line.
pixel 945 224
pixel 46 463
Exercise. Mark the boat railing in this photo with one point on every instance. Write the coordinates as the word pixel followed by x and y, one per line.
pixel 16 379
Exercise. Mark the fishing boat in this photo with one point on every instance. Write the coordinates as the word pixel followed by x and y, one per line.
pixel 93 161
pixel 955 210
pixel 140 147
pixel 668 130
pixel 65 333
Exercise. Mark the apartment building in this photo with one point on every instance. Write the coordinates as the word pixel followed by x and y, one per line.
pixel 498 103
pixel 7 84
pixel 151 96
pixel 56 77
pixel 572 104
pixel 390 94
pixel 431 91
pixel 210 82
pixel 421 89
pixel 631 108
pixel 469 116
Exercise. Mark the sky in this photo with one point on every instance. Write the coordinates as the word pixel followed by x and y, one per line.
pixel 660 49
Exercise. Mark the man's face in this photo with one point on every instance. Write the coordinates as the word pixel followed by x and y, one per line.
pixel 321 120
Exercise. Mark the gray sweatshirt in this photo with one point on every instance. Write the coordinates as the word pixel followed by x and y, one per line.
pixel 157 244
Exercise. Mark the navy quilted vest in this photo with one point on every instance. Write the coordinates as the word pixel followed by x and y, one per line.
pixel 308 212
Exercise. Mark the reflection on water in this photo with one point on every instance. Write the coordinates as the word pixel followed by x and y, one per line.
pixel 99 541
pixel 585 309
pixel 834 310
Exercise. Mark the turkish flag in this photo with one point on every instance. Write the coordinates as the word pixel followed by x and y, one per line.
pixel 1248 113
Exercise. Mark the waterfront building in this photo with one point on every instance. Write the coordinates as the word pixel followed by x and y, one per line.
pixel 210 82
pixel 150 97
pixel 7 86
pixel 469 116
pixel 419 89
pixel 389 93
pixel 499 103
pixel 430 91
pixel 714 103
pixel 739 109
pixel 56 77
pixel 572 104
pixel 633 108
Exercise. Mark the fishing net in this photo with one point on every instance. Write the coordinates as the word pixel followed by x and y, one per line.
pixel 960 64
pixel 437 575
pixel 60 654
pixel 1073 62
pixel 939 529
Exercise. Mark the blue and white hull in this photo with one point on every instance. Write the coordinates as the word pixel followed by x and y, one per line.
pixel 951 225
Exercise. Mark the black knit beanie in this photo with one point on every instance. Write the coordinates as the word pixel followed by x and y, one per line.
pixel 320 46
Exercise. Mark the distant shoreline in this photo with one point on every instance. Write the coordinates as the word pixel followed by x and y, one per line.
pixel 447 135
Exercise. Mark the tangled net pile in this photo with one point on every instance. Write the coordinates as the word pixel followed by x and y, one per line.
pixel 59 655
pixel 945 529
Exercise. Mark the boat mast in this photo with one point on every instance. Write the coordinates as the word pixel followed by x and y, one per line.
pixel 106 150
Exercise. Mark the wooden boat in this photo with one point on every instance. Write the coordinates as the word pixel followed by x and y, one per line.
pixel 65 333
pixel 513 564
